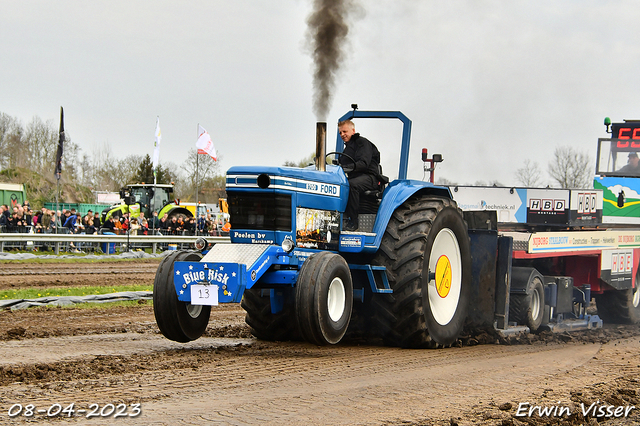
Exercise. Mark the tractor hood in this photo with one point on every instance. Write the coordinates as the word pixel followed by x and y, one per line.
pixel 311 188
pixel 333 174
pixel 273 203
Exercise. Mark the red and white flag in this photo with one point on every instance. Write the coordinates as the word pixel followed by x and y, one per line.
pixel 204 143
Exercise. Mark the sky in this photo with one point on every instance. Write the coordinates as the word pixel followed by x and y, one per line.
pixel 487 83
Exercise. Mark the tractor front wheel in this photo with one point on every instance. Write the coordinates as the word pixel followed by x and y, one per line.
pixel 324 298
pixel 177 320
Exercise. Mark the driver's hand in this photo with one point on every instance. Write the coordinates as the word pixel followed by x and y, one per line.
pixel 348 168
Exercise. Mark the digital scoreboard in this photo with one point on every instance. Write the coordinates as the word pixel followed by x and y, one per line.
pixel 628 135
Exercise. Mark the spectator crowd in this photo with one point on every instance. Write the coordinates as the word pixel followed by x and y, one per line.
pixel 20 218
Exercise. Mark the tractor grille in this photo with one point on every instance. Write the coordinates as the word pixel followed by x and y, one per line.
pixel 245 254
pixel 260 211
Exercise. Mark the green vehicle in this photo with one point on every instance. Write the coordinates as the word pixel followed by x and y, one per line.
pixel 12 194
pixel 147 198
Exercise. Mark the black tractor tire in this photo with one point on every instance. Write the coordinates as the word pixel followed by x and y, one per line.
pixel 324 298
pixel 360 323
pixel 178 321
pixel 264 325
pixel 619 306
pixel 103 214
pixel 425 235
pixel 527 308
pixel 116 215
pixel 179 215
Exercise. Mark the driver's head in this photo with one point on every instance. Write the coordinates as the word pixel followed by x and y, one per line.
pixel 633 159
pixel 347 129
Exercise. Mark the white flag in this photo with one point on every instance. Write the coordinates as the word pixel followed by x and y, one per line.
pixel 204 143
pixel 156 144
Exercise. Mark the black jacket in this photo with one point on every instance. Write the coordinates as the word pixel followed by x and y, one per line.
pixel 364 152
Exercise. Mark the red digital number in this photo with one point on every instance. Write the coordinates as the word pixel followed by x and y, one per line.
pixel 627 134
pixel 621 134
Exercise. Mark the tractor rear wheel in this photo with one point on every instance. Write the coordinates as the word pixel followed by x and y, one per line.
pixel 265 325
pixel 619 306
pixel 426 252
pixel 324 298
pixel 177 320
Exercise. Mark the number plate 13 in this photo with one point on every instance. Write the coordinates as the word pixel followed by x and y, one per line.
pixel 204 294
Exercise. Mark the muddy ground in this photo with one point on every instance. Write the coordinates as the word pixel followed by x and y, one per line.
pixel 51 356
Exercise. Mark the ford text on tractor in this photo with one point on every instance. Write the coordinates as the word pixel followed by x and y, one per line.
pixel 415 272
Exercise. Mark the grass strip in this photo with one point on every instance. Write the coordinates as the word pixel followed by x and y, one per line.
pixel 34 293
pixel 93 305
pixel 82 259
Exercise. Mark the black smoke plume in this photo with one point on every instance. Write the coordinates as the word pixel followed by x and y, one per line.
pixel 327 32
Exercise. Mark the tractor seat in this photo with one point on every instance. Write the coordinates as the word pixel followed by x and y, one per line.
pixel 382 183
pixel 370 199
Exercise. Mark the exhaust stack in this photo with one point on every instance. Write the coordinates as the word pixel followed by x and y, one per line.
pixel 321 145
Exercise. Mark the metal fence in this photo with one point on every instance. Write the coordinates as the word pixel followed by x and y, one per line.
pixel 26 239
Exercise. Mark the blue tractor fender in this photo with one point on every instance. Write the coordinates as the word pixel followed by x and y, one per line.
pixel 395 194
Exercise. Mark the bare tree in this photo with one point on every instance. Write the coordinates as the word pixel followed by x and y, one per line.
pixel 213 189
pixel 105 170
pixel 207 168
pixel 38 147
pixel 570 168
pixel 70 161
pixel 85 172
pixel 10 140
pixel 108 173
pixel 529 175
pixel 126 169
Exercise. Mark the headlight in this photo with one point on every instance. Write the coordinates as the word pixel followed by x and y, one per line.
pixel 200 243
pixel 287 245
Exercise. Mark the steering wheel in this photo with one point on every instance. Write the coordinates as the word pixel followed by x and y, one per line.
pixel 342 153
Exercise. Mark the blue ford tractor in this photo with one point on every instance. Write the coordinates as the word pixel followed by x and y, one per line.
pixel 404 276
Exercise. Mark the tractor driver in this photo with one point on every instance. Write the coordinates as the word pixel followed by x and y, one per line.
pixel 633 165
pixel 363 175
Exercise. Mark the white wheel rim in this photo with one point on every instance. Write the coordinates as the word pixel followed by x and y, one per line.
pixel 336 299
pixel 535 304
pixel 194 310
pixel 444 289
pixel 636 298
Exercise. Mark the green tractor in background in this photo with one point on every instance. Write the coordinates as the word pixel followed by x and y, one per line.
pixel 147 198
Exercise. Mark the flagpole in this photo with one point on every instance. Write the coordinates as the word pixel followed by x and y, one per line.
pixel 197 215
pixel 55 214
pixel 58 170
pixel 153 198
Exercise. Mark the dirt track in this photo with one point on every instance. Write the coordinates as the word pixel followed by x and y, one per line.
pixel 116 356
